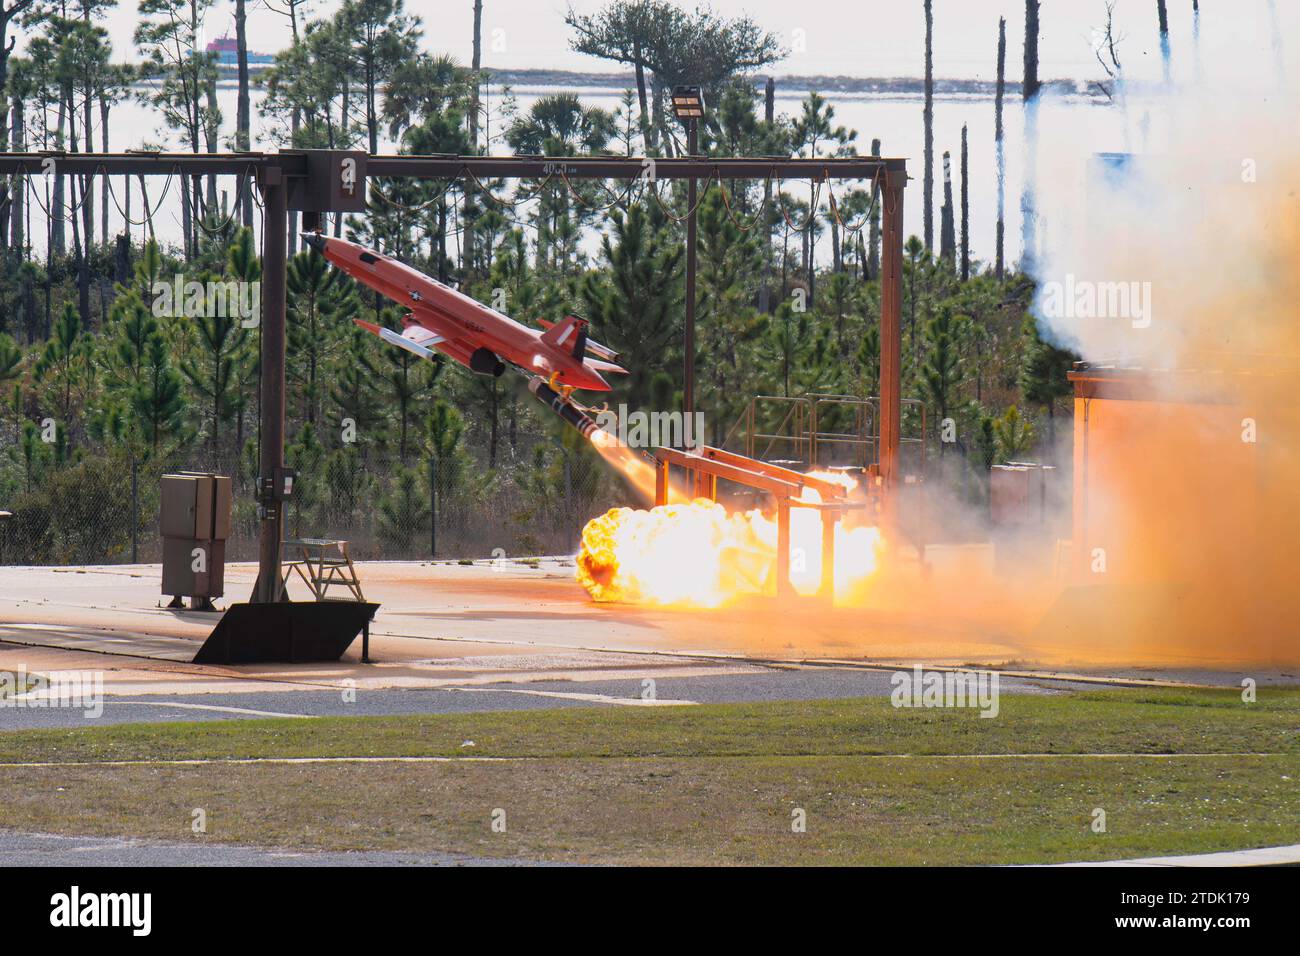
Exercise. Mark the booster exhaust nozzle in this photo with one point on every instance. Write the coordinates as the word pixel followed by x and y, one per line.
pixel 557 403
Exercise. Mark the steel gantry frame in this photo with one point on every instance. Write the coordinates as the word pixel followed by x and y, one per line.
pixel 302 173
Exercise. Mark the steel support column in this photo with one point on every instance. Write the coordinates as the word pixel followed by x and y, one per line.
pixel 830 518
pixel 891 339
pixel 783 586
pixel 688 335
pixel 275 233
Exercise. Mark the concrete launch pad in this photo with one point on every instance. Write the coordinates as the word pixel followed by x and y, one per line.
pixel 445 623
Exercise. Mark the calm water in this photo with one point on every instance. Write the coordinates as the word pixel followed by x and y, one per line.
pixel 1072 127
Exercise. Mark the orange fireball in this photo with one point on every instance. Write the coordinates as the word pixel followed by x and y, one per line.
pixel 697 555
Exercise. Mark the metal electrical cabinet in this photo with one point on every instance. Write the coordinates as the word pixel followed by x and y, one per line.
pixel 194 523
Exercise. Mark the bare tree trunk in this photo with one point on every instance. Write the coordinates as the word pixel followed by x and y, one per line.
pixel 1029 92
pixel 965 207
pixel 295 122
pixel 1031 86
pixel 148 213
pixel 103 145
pixel 187 216
pixel 87 113
pixel 837 259
pixel 656 109
pixel 81 230
pixel 122 258
pixel 927 179
pixel 764 292
pixel 57 213
pixel 1000 145
pixel 103 206
pixel 1196 37
pixel 947 232
pixel 873 260
pixel 243 117
pixel 469 216
pixel 211 138
pixel 1162 18
pixel 806 257
pixel 80 252
pixel 17 238
pixel 646 137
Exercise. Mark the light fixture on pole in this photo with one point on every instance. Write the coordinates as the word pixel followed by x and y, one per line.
pixel 687 103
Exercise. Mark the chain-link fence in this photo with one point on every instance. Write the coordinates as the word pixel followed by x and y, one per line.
pixel 104 509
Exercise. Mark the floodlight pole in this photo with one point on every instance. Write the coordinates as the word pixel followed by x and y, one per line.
pixel 275 228
pixel 891 340
pixel 688 335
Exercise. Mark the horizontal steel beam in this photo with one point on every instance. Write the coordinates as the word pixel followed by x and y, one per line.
pixel 634 167
pixel 294 164
pixel 146 163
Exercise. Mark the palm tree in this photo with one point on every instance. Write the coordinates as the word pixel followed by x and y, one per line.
pixel 560 125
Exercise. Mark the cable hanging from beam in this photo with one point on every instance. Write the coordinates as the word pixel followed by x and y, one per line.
pixel 217 230
pixel 866 217
pixel 402 207
pixel 619 201
pixel 654 191
pixel 501 202
pixel 812 208
pixel 726 201
pixel 144 196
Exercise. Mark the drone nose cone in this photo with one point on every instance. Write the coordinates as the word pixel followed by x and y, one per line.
pixel 594 382
pixel 315 240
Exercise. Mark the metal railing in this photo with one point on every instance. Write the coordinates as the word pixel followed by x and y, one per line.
pixel 820 430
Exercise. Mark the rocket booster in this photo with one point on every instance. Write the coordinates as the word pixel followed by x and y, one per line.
pixel 557 403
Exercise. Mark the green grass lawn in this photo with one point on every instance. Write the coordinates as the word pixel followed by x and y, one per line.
pixel 707 784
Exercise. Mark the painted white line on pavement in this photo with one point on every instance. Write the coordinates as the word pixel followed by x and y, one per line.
pixel 203 761
pixel 573 695
pixel 224 710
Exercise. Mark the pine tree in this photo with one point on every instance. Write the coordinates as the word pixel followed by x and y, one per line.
pixel 159 399
pixel 306 455
pixel 216 370
pixel 634 304
pixel 1015 434
pixel 354 395
pixel 943 373
pixel 404 512
pixel 65 365
pixel 869 361
pixel 404 380
pixel 320 298
pixel 1043 379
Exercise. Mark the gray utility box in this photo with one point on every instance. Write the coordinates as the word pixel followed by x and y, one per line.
pixel 1021 494
pixel 194 522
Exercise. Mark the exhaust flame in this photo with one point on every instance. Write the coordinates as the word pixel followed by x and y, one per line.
pixel 695 554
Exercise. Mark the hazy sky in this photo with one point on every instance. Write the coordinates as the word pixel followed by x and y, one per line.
pixel 850 37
